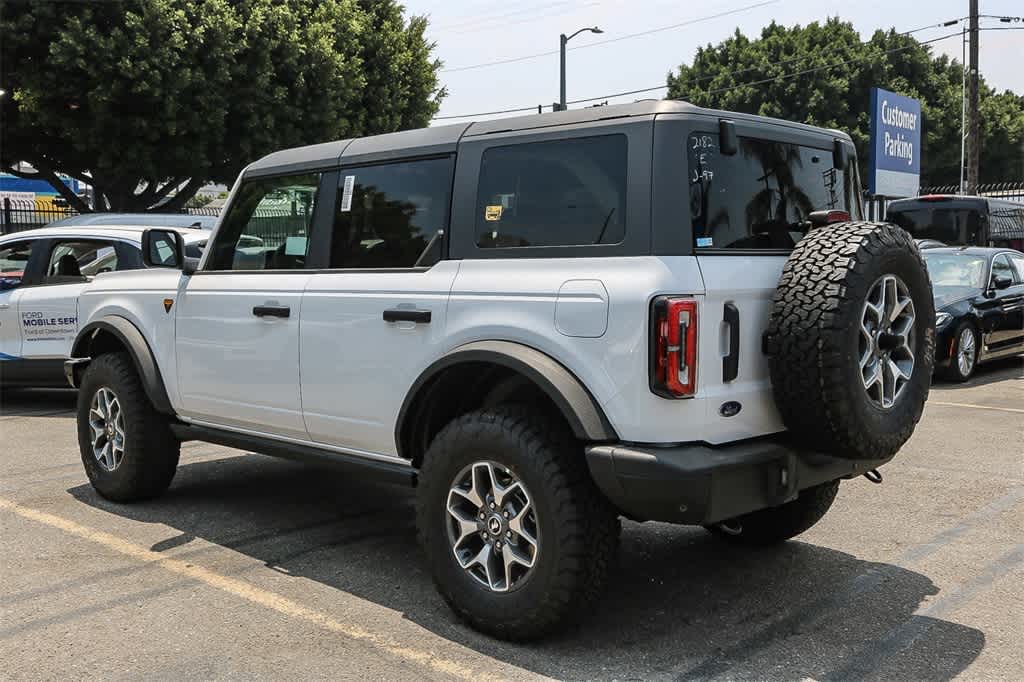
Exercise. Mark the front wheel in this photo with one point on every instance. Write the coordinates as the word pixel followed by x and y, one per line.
pixel 778 524
pixel 517 537
pixel 127 447
pixel 965 354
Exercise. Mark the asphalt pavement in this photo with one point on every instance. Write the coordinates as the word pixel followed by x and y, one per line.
pixel 256 568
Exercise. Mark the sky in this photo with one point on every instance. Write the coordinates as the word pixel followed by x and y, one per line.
pixel 471 32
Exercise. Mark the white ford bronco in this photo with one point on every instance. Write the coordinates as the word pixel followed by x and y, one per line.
pixel 546 323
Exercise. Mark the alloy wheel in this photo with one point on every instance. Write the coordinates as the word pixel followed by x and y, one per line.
pixel 966 351
pixel 492 526
pixel 106 422
pixel 887 341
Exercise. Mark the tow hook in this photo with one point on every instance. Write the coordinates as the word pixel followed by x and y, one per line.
pixel 731 527
pixel 873 476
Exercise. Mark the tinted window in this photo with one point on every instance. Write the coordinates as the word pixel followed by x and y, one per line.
pixel 1006 225
pixel 1018 262
pixel 267 225
pixel 560 193
pixel 947 224
pixel 13 261
pixel 761 197
pixel 75 260
pixel 388 214
pixel 1001 268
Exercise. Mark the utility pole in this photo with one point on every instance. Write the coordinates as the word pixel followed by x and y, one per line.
pixel 973 135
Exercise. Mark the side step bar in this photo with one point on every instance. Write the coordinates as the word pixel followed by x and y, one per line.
pixel 366 468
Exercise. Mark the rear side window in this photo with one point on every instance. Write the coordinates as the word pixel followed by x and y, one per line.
pixel 761 197
pixel 388 214
pixel 13 262
pixel 557 193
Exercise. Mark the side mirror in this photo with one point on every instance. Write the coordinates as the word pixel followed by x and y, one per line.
pixel 728 142
pixel 840 155
pixel 163 249
pixel 1001 282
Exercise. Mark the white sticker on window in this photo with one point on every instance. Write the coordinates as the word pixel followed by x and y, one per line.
pixel 295 246
pixel 346 193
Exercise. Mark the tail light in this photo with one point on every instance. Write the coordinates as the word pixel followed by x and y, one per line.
pixel 673 363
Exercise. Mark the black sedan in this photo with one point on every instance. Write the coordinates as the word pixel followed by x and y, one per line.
pixel 979 306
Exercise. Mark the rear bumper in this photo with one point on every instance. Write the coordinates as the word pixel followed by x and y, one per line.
pixel 701 484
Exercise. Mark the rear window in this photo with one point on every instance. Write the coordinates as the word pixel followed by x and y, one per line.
pixel 950 224
pixel 761 197
pixel 557 193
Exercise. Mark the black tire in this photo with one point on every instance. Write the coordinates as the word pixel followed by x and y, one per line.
pixel 814 340
pixel 578 531
pixel 953 371
pixel 778 524
pixel 150 452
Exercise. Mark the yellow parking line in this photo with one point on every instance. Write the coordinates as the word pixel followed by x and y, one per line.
pixel 246 591
pixel 977 407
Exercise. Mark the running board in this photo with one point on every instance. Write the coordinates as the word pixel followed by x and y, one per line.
pixel 364 467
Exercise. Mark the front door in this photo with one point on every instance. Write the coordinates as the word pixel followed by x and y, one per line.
pixel 376 319
pixel 1004 322
pixel 237 318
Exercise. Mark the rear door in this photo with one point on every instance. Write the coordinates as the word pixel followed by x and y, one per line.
pixel 372 320
pixel 48 309
pixel 747 212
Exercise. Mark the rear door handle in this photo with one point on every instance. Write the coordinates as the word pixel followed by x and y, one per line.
pixel 272 311
pixel 407 315
pixel 731 362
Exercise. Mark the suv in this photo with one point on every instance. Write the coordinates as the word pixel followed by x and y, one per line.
pixel 543 323
pixel 961 220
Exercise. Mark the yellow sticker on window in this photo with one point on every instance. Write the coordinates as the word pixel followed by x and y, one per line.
pixel 493 213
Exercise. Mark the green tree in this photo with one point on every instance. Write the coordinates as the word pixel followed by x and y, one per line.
pixel 822 74
pixel 147 100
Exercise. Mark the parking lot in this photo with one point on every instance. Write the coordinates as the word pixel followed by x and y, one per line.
pixel 252 567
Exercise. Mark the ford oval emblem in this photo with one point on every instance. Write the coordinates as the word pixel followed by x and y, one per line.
pixel 730 409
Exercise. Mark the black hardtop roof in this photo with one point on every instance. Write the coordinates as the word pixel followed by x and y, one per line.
pixel 445 138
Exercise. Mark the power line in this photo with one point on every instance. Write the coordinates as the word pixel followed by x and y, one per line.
pixel 718 90
pixel 629 36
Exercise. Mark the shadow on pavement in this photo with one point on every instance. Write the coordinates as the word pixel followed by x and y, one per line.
pixel 1006 369
pixel 680 605
pixel 37 402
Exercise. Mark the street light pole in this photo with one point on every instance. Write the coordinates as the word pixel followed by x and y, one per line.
pixel 562 40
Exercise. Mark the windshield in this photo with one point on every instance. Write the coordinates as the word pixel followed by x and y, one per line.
pixel 955 269
pixel 946 224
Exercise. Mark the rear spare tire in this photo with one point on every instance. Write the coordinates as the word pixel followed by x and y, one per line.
pixel 851 340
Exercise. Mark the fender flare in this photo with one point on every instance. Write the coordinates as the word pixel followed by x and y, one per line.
pixel 138 349
pixel 582 412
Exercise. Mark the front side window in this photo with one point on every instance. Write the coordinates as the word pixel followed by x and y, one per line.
pixel 1018 262
pixel 387 215
pixel 762 196
pixel 1001 268
pixel 558 193
pixel 267 226
pixel 13 263
pixel 76 260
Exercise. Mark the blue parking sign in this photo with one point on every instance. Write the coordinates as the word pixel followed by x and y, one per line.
pixel 895 169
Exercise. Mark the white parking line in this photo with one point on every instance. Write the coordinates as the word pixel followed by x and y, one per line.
pixel 977 407
pixel 244 590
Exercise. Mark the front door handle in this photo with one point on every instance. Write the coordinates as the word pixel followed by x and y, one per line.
pixel 407 315
pixel 731 362
pixel 272 311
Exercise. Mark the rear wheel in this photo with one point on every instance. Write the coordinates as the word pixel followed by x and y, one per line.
pixel 965 353
pixel 518 539
pixel 778 524
pixel 127 447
